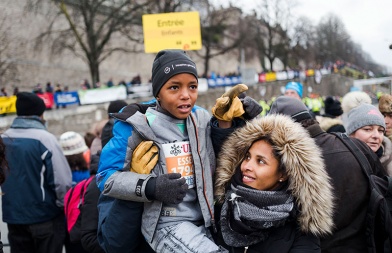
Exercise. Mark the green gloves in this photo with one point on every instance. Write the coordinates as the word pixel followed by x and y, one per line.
pixel 229 106
pixel 144 157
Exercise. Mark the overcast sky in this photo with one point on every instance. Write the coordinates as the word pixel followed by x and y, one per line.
pixel 368 22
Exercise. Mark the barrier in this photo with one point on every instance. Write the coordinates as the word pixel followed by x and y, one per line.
pixel 7 105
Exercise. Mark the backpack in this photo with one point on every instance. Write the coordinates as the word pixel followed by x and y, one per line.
pixel 379 213
pixel 73 202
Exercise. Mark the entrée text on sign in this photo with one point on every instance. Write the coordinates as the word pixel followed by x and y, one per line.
pixel 163 23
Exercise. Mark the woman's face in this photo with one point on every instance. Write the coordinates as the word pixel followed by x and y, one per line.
pixel 260 168
pixel 372 135
pixel 178 95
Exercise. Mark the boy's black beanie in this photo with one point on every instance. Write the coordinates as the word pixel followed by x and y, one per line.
pixel 168 63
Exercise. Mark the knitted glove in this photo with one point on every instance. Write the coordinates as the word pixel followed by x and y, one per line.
pixel 229 106
pixel 252 108
pixel 144 157
pixel 168 188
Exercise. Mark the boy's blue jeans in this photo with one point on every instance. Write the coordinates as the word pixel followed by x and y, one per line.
pixel 184 237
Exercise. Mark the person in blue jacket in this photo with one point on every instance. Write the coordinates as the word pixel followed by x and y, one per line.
pixel 177 193
pixel 37 180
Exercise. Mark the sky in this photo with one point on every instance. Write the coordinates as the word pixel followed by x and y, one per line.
pixel 368 22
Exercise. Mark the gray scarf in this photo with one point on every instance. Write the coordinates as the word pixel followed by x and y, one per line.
pixel 248 214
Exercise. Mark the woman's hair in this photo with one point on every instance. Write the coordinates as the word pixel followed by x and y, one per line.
pixel 77 162
pixel 3 161
pixel 275 152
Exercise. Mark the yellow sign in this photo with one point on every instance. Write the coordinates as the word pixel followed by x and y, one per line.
pixel 7 105
pixel 177 30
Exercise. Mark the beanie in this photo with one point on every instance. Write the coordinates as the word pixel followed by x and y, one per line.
pixel 72 143
pixel 168 63
pixel 295 86
pixel 353 99
pixel 292 107
pixel 332 107
pixel 385 103
pixel 28 104
pixel 116 106
pixel 363 115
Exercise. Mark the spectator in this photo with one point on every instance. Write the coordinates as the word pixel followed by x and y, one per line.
pixel 272 190
pixel 49 87
pixel 114 107
pixel 385 107
pixel 37 181
pixel 3 92
pixel 351 100
pixel 331 120
pixel 110 83
pixel 74 148
pixel 349 232
pixel 293 89
pixel 366 123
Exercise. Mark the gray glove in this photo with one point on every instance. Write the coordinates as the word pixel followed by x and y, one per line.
pixel 251 107
pixel 168 188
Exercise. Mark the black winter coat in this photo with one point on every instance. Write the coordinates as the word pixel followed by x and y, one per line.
pixel 89 225
pixel 351 192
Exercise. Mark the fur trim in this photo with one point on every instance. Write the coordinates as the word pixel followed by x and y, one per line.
pixel 353 99
pixel 385 103
pixel 326 122
pixel 308 179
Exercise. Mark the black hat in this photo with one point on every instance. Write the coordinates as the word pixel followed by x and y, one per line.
pixel 332 107
pixel 292 107
pixel 116 106
pixel 168 63
pixel 28 104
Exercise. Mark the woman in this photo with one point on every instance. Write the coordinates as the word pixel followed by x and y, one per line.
pixel 367 124
pixel 272 189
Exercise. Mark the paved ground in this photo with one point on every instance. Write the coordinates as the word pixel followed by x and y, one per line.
pixel 4 232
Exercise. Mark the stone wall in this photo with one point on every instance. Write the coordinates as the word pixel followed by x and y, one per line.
pixel 83 118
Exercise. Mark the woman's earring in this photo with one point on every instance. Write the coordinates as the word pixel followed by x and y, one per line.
pixel 281 180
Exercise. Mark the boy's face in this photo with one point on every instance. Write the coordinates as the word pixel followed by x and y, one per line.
pixel 178 95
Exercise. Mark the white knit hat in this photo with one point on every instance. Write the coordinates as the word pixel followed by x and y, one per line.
pixel 72 143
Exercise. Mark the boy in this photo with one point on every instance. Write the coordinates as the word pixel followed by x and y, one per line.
pixel 177 194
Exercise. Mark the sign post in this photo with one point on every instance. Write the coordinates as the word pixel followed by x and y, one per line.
pixel 177 30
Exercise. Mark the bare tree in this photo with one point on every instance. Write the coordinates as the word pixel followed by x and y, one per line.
pixel 222 30
pixel 271 19
pixel 93 29
pixel 8 68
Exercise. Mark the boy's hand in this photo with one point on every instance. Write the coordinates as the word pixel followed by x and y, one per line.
pixel 144 157
pixel 229 106
pixel 168 188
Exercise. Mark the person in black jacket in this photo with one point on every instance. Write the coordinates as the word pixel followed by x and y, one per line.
pixel 350 185
pixel 89 212
pixel 114 107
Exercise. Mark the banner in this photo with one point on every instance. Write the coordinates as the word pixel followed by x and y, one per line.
pixel 102 95
pixel 48 99
pixel 7 105
pixel 66 98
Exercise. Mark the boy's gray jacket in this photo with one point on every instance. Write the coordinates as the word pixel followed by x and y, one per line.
pixel 115 179
pixel 309 182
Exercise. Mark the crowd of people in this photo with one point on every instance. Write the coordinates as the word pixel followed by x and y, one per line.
pixel 169 176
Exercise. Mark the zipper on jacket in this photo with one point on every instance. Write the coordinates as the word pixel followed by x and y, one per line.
pixel 202 174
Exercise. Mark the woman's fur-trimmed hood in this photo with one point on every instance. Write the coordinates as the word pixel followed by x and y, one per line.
pixel 308 179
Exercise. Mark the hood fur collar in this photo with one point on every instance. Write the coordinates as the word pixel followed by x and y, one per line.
pixel 308 180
